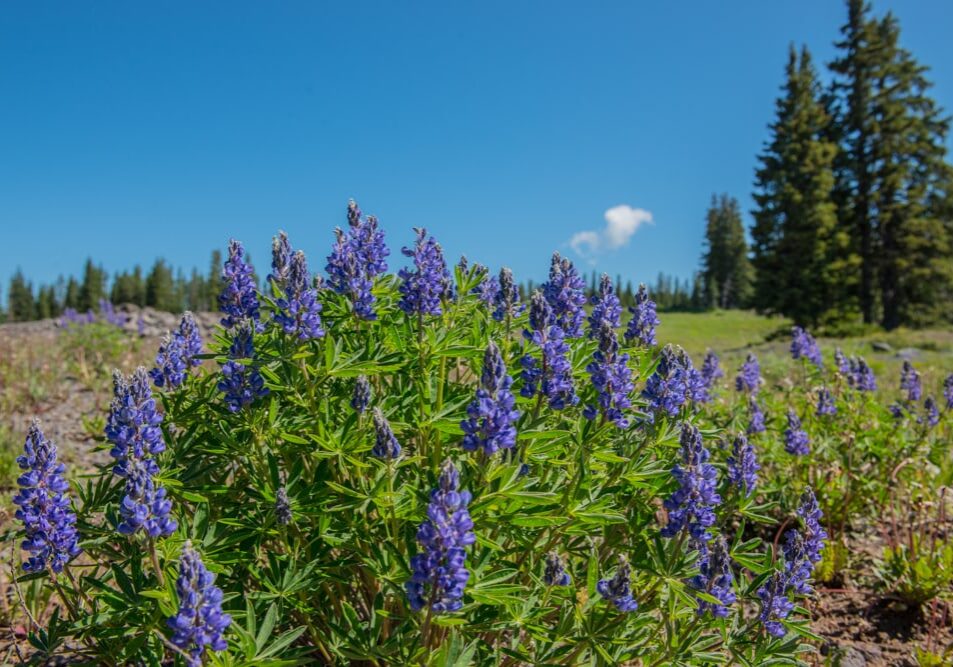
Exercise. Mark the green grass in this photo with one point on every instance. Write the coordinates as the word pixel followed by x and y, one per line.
pixel 732 334
pixel 724 331
pixel 10 448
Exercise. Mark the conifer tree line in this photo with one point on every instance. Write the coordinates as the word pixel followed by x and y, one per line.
pixel 669 292
pixel 161 288
pixel 853 216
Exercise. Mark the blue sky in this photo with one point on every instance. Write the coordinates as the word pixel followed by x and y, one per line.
pixel 135 130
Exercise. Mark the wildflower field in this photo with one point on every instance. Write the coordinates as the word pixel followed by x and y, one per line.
pixel 403 461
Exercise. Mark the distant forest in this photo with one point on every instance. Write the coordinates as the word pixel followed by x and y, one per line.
pixel 164 288
pixel 852 224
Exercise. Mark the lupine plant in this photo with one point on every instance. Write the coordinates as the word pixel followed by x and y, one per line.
pixel 384 472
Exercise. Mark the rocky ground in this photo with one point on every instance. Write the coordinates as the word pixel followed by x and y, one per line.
pixel 70 397
pixel 39 377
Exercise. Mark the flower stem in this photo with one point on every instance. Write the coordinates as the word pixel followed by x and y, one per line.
pixel 155 562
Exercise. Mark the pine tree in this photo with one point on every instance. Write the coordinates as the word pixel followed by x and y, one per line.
pixel 20 304
pixel 46 306
pixel 160 287
pixel 893 180
pixel 71 297
pixel 93 287
pixel 726 271
pixel 179 292
pixel 195 292
pixel 800 255
pixel 123 288
pixel 855 127
pixel 213 284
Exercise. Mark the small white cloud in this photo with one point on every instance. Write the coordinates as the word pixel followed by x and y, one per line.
pixel 585 243
pixel 622 222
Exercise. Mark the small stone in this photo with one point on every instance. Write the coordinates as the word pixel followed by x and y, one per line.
pixel 853 658
pixel 881 346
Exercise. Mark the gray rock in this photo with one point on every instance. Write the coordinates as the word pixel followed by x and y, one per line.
pixel 881 346
pixel 908 353
pixel 852 658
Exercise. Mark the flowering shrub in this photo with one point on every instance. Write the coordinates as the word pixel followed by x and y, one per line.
pixel 384 471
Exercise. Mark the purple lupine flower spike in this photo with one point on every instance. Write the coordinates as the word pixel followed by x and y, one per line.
pixel 665 388
pixel 612 379
pixel 424 287
pixel 491 416
pixel 439 572
pixel 241 383
pixel 362 394
pixel 825 403
pixel 644 319
pixel 749 376
pixel 842 363
pixel 715 578
pixel 565 292
pixel 910 382
pixel 552 373
pixel 385 442
pixel 133 428
pixel 555 574
pixel 368 241
pixel 347 276
pixel 299 311
pixel 43 504
pixel 488 288
pixel 691 505
pixel 358 256
pixel 200 624
pixel 743 466
pixel 755 417
pixel 802 549
pixel 931 412
pixel 178 354
pixel 804 346
pixel 618 589
pixel 507 297
pixel 280 261
pixel 133 424
pixel 775 604
pixel 861 375
pixel 796 440
pixel 696 390
pixel 948 391
pixel 144 506
pixel 711 369
pixel 239 297
pixel 283 507
pixel 605 307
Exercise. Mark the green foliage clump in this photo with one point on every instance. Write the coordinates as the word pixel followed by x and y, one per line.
pixel 311 536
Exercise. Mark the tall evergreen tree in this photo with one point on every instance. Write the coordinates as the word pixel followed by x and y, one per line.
pixel 726 271
pixel 71 296
pixel 93 286
pixel 195 292
pixel 20 304
pixel 46 304
pixel 855 128
pixel 893 178
pixel 213 285
pixel 160 287
pixel 801 258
